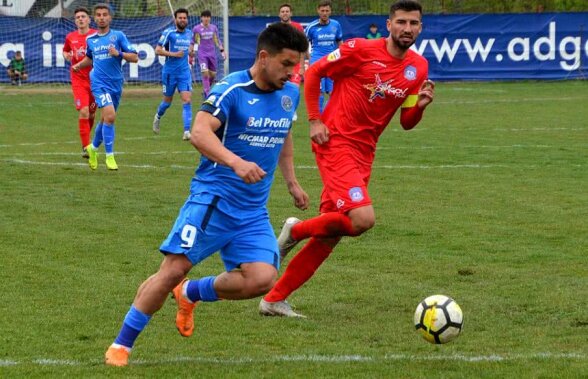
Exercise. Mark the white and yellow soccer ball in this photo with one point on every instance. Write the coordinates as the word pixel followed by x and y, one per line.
pixel 439 319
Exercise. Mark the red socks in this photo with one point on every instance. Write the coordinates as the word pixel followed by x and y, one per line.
pixel 326 225
pixel 300 269
pixel 84 126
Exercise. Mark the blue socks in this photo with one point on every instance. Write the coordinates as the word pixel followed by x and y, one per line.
pixel 134 323
pixel 187 116
pixel 162 108
pixel 201 289
pixel 97 141
pixel 108 135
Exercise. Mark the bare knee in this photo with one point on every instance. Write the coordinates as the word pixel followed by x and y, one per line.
pixel 84 113
pixel 362 222
pixel 259 282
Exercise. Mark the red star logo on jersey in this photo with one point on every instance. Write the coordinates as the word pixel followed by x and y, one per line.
pixel 378 89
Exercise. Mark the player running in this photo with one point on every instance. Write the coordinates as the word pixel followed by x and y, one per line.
pixel 243 131
pixel 325 35
pixel 207 40
pixel 105 51
pixel 74 50
pixel 175 44
pixel 373 79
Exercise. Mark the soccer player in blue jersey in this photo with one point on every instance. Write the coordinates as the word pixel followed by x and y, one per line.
pixel 243 133
pixel 105 51
pixel 175 45
pixel 325 36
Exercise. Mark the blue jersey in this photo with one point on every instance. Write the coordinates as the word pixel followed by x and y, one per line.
pixel 255 124
pixel 324 39
pixel 172 40
pixel 107 70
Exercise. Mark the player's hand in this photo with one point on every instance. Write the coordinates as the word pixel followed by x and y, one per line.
pixel 319 132
pixel 426 93
pixel 113 52
pixel 75 67
pixel 68 56
pixel 250 172
pixel 301 199
pixel 179 54
pixel 224 55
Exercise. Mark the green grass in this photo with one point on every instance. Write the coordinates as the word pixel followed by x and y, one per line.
pixel 485 201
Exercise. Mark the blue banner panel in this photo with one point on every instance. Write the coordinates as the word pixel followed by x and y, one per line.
pixel 458 47
pixel 467 47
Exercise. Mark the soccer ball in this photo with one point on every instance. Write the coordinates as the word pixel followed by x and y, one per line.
pixel 438 318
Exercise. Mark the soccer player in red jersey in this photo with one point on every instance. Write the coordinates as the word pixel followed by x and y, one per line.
pixel 373 79
pixel 74 50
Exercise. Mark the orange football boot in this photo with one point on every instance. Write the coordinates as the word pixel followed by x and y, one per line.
pixel 185 314
pixel 117 356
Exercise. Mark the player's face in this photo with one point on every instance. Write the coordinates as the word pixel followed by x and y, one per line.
pixel 82 20
pixel 324 13
pixel 205 20
pixel 404 28
pixel 181 21
pixel 285 14
pixel 102 18
pixel 278 69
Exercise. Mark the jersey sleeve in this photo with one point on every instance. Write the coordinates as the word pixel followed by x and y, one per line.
pixel 343 60
pixel 339 36
pixel 67 45
pixel 163 39
pixel 220 101
pixel 410 113
pixel 89 50
pixel 125 45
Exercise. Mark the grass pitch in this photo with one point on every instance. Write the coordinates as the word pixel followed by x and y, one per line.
pixel 485 201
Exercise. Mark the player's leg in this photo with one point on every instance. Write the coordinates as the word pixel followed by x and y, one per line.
pixel 203 62
pixel 83 99
pixel 109 107
pixel 185 89
pixel 167 88
pixel 150 297
pixel 212 69
pixel 12 76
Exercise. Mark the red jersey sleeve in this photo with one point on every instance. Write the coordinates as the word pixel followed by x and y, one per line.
pixel 335 65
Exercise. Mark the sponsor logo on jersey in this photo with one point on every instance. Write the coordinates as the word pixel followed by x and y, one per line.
pixel 268 123
pixel 410 73
pixel 356 194
pixel 380 89
pixel 379 64
pixel 252 101
pixel 210 100
pixel 287 103
pixel 334 55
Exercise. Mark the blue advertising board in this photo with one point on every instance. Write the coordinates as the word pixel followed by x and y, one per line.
pixel 551 46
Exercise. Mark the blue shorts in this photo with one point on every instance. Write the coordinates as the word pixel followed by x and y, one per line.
pixel 326 85
pixel 105 97
pixel 207 224
pixel 172 81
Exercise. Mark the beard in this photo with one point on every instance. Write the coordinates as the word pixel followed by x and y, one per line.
pixel 402 44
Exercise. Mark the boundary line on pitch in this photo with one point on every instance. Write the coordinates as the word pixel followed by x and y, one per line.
pixel 300 167
pixel 313 359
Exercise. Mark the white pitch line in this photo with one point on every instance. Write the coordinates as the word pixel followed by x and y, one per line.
pixel 314 358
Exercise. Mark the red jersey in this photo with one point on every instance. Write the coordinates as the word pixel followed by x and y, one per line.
pixel 370 85
pixel 76 44
pixel 297 25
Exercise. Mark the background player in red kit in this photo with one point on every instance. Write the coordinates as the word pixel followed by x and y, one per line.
pixel 285 14
pixel 74 50
pixel 373 78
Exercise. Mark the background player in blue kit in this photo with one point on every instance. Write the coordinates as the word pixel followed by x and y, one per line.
pixel 325 36
pixel 176 45
pixel 243 133
pixel 105 51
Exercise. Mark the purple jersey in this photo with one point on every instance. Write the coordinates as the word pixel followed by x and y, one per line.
pixel 204 37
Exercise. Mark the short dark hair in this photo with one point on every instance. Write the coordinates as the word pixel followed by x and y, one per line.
pixel 81 9
pixel 324 3
pixel 102 6
pixel 373 26
pixel 406 5
pixel 17 52
pixel 279 36
pixel 181 10
pixel 206 13
pixel 285 5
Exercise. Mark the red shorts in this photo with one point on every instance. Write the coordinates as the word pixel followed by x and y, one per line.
pixel 345 178
pixel 83 96
pixel 296 78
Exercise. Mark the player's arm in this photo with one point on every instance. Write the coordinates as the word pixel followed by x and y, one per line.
pixel 66 52
pixel 208 144
pixel 218 44
pixel 86 62
pixel 159 50
pixel 414 105
pixel 286 163
pixel 124 50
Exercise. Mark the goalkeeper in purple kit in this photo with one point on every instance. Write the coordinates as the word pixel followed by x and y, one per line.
pixel 207 40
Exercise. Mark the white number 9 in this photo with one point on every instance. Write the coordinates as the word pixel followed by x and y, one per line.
pixel 188 235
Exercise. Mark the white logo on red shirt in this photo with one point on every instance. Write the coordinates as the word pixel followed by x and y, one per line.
pixel 381 89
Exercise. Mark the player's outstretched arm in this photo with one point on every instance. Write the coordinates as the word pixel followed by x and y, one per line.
pixel 286 163
pixel 206 142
